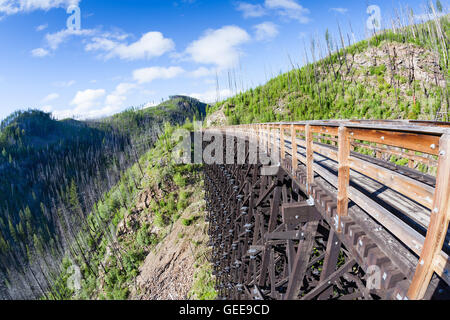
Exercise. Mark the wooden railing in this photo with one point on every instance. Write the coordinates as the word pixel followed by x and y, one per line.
pixel 422 143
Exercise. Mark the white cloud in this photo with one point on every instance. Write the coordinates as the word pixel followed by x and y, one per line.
pixel 50 97
pixel 40 53
pixel 47 108
pixel 211 96
pixel 339 10
pixel 42 27
pixel 9 7
pixel 55 39
pixel 151 45
pixel 115 102
pixel 116 99
pixel 146 75
pixel 218 47
pixel 251 10
pixel 266 31
pixel 89 104
pixel 290 9
pixel 85 100
pixel 201 72
pixel 124 88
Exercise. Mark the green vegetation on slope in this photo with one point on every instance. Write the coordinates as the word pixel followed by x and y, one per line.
pixel 372 79
pixel 44 162
pixel 114 256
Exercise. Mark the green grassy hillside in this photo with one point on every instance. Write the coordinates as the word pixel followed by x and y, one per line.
pixel 52 173
pixel 401 74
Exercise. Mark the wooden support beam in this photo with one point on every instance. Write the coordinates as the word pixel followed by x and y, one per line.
pixel 294 148
pixel 274 212
pixel 309 158
pixel 299 212
pixel 411 141
pixel 275 208
pixel 330 262
pixel 285 235
pixel 330 280
pixel 283 151
pixel 343 175
pixel 272 274
pixel 266 193
pixel 437 230
pixel 301 261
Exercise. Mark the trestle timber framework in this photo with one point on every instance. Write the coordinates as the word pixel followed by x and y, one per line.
pixel 307 232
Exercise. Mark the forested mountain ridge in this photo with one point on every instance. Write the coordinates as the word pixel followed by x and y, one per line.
pixel 400 73
pixel 149 235
pixel 45 162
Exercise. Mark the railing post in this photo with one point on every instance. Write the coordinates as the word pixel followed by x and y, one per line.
pixel 437 229
pixel 343 175
pixel 274 137
pixel 283 155
pixel 256 134
pixel 294 148
pixel 309 158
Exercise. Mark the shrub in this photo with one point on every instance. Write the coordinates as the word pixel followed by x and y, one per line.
pixel 179 180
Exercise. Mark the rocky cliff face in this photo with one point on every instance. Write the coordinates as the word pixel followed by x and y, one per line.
pixel 168 271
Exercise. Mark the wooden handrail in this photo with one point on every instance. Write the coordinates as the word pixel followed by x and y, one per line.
pixel 427 137
pixel 437 229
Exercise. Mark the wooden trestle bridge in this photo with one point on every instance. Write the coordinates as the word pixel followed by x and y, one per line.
pixel 337 219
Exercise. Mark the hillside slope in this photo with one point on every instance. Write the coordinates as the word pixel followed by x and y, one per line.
pixel 400 74
pixel 53 172
pixel 151 234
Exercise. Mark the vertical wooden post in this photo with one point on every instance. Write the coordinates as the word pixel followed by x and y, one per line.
pixel 274 137
pixel 309 158
pixel 256 134
pixel 411 162
pixel 261 137
pixel 437 230
pixel 343 175
pixel 294 148
pixel 283 151
pixel 268 138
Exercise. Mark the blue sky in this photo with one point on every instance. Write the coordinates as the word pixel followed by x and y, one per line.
pixel 138 52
